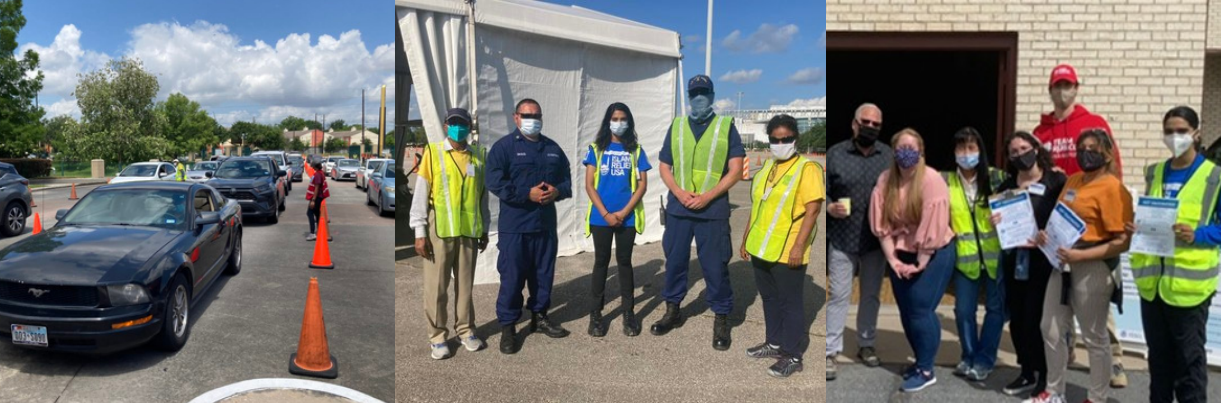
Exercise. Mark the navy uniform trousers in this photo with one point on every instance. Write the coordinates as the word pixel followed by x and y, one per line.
pixel 526 260
pixel 713 248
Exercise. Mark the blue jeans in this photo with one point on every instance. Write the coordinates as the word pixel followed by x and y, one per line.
pixel 918 298
pixel 979 346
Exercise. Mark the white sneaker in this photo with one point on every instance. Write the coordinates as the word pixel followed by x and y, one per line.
pixel 1045 397
pixel 311 237
pixel 472 343
pixel 440 351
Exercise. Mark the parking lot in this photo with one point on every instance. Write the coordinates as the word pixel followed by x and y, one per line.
pixel 245 326
pixel 681 365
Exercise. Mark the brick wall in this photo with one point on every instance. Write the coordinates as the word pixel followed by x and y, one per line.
pixel 1136 58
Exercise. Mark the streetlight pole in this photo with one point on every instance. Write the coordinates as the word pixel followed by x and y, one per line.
pixel 708 50
pixel 362 125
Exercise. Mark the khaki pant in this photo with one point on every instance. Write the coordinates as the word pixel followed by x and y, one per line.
pixel 451 257
pixel 1089 301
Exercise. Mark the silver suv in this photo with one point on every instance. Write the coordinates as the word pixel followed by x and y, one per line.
pixel 16 198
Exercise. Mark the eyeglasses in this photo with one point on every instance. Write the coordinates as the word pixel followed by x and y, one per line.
pixel 530 115
pixel 877 124
pixel 786 140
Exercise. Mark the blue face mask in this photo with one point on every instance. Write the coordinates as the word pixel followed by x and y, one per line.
pixel 968 161
pixel 458 133
pixel 907 157
pixel 701 107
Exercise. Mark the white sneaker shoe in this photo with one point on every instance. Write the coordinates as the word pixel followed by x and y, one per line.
pixel 311 237
pixel 472 343
pixel 440 351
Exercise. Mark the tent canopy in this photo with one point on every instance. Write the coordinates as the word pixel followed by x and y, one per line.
pixel 563 58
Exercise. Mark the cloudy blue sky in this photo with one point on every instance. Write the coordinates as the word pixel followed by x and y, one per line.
pixel 242 60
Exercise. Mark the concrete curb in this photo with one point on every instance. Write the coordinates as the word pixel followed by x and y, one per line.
pixel 69 185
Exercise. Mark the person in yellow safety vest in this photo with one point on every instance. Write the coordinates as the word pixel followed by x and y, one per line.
pixel 616 181
pixel 1176 291
pixel 180 171
pixel 978 253
pixel 450 198
pixel 786 197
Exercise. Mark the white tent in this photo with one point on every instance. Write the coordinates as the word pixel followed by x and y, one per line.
pixel 574 61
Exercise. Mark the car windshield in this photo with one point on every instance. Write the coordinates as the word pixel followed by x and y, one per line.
pixel 375 165
pixel 296 161
pixel 389 169
pixel 139 170
pixel 204 166
pixel 243 169
pixel 156 208
pixel 349 163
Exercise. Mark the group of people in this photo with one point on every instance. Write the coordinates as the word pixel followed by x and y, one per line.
pixel 926 230
pixel 700 160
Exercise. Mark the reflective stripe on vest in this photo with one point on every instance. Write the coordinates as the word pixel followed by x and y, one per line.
pixel 704 168
pixel 638 211
pixel 973 249
pixel 462 217
pixel 777 215
pixel 1190 277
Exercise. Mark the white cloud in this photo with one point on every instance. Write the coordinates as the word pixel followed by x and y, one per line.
pixel 724 104
pixel 742 76
pixel 66 106
pixel 821 101
pixel 767 39
pixel 63 59
pixel 810 76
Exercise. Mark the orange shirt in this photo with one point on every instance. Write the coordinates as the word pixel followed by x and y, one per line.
pixel 1104 204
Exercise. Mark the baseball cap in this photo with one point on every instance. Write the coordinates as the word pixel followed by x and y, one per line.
pixel 458 113
pixel 699 82
pixel 1063 72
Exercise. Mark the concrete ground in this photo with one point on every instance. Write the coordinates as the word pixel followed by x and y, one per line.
pixel 615 368
pixel 245 326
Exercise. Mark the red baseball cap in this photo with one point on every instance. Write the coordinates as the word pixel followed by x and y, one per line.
pixel 1063 72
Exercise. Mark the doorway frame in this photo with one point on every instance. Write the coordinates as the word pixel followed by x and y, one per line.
pixel 1003 42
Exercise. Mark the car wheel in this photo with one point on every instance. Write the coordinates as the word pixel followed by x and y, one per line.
pixel 176 323
pixel 368 199
pixel 14 219
pixel 381 211
pixel 235 258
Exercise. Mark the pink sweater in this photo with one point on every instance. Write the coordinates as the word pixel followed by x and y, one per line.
pixel 933 230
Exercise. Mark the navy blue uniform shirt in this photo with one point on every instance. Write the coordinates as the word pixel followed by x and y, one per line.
pixel 718 209
pixel 515 165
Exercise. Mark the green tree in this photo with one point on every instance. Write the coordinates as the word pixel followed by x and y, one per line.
pixel 21 129
pixel 58 130
pixel 188 128
pixel 258 136
pixel 292 123
pixel 338 125
pixel 118 119
pixel 296 144
pixel 335 145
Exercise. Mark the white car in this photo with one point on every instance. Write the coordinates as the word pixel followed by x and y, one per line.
pixel 345 169
pixel 281 160
pixel 329 163
pixel 146 172
pixel 371 165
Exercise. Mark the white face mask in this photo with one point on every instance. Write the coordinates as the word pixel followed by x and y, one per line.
pixel 784 151
pixel 1064 97
pixel 618 128
pixel 531 127
pixel 1178 143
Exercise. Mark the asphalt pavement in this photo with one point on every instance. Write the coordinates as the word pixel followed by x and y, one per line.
pixel 681 366
pixel 245 326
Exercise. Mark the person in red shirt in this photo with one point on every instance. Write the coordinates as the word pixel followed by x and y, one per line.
pixel 1058 130
pixel 318 191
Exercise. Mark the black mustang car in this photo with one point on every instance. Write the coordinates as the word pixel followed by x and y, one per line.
pixel 255 182
pixel 119 269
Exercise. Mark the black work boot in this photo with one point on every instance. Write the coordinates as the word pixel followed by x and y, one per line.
pixel 508 339
pixel 720 333
pixel 631 327
pixel 596 327
pixel 673 319
pixel 540 322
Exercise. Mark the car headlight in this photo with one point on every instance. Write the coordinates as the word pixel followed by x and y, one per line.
pixel 390 189
pixel 264 188
pixel 127 294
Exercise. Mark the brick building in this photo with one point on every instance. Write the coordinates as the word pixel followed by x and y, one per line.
pixel 938 65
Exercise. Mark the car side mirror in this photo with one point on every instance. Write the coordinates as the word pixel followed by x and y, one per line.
pixel 207 218
pixel 163 174
pixel 59 214
pixel 281 173
pixel 208 174
pixel 377 174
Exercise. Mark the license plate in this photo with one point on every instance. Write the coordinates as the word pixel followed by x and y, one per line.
pixel 30 335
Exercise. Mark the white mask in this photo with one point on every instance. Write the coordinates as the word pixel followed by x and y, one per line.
pixel 1178 143
pixel 619 127
pixel 531 127
pixel 784 151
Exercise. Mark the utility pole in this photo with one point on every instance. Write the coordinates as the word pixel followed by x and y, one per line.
pixel 708 50
pixel 362 125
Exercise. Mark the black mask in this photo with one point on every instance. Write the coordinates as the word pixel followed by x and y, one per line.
pixel 1025 161
pixel 866 136
pixel 1090 161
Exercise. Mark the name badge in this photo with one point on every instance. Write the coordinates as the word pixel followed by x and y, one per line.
pixel 1037 189
pixel 1070 196
pixel 470 169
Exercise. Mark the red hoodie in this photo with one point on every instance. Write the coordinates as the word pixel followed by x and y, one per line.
pixel 1060 137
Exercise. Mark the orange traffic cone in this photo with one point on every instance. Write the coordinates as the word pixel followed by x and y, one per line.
pixel 746 169
pixel 37 224
pixel 313 357
pixel 73 196
pixel 322 249
pixel 326 216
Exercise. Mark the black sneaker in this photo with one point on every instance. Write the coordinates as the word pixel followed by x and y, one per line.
pixel 869 357
pixel 784 367
pixel 763 351
pixel 1020 387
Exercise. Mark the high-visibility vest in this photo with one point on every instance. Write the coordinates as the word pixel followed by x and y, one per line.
pixel 456 197
pixel 638 211
pixel 698 165
pixel 771 212
pixel 977 242
pixel 1190 277
pixel 180 173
